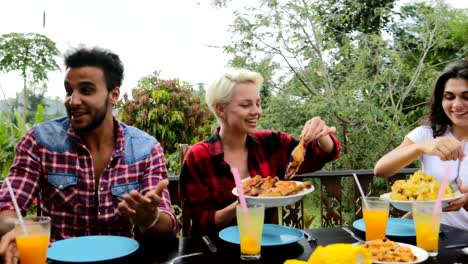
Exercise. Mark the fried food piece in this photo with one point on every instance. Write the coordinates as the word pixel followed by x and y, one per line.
pixel 272 186
pixel 297 157
pixel 389 251
pixel 252 186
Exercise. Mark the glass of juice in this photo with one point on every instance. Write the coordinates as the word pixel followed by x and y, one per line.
pixel 250 225
pixel 427 226
pixel 375 211
pixel 32 239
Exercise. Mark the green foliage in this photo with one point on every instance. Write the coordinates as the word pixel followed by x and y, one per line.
pixel 12 129
pixel 169 111
pixel 349 15
pixel 371 77
pixel 33 55
pixel 362 66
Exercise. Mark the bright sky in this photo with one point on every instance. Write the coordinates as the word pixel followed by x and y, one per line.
pixel 172 36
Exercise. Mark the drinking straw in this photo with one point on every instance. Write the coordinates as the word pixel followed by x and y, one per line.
pixel 15 204
pixel 240 189
pixel 443 185
pixel 243 203
pixel 360 190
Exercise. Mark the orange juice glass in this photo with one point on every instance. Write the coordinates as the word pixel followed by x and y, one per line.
pixel 32 241
pixel 427 226
pixel 375 212
pixel 250 226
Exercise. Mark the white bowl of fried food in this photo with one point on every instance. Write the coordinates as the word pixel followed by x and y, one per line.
pixel 272 192
pixel 419 187
pixel 386 251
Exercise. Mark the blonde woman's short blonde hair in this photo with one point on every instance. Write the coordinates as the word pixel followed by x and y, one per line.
pixel 221 90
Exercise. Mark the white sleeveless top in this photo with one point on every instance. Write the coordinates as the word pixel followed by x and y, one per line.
pixel 432 165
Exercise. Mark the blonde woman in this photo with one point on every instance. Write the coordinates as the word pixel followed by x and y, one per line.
pixel 206 180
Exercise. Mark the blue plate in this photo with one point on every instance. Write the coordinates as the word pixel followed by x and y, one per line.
pixel 273 235
pixel 91 248
pixel 397 227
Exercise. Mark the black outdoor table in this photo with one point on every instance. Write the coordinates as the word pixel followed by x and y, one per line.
pixel 165 251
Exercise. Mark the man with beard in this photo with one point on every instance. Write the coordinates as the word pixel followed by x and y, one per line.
pixel 94 175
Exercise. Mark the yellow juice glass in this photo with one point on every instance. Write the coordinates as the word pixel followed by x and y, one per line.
pixel 33 241
pixel 250 225
pixel 427 226
pixel 375 212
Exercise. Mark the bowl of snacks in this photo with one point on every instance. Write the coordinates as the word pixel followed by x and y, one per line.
pixel 272 192
pixel 419 187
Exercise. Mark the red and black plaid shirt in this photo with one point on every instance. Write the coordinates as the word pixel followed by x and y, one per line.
pixel 206 180
pixel 66 183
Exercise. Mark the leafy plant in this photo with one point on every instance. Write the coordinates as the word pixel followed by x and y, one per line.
pixel 12 129
pixel 370 77
pixel 33 55
pixel 168 110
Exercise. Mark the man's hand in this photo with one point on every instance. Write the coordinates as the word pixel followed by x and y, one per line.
pixel 143 209
pixel 8 251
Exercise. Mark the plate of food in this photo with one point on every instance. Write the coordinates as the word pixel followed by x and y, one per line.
pixel 272 192
pixel 385 251
pixel 418 187
pixel 406 205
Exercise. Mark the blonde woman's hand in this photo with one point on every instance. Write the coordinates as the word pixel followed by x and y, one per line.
pixel 316 128
pixel 444 147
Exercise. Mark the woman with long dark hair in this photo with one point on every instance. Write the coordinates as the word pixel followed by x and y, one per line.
pixel 441 142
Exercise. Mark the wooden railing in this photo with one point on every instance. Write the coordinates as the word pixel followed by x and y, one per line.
pixel 332 195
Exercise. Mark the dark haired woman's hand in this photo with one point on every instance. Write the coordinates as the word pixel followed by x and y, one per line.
pixel 464 189
pixel 445 148
pixel 457 204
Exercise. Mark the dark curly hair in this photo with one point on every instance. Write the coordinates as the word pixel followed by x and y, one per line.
pixel 438 120
pixel 106 60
